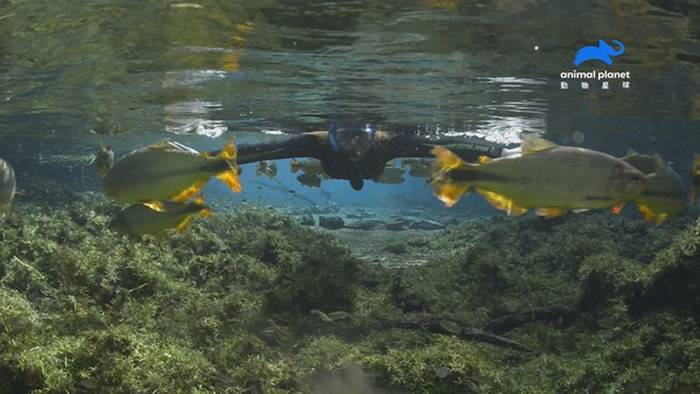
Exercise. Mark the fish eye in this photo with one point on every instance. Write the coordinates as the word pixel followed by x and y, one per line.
pixel 635 177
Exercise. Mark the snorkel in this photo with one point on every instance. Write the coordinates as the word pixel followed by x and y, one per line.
pixel 352 146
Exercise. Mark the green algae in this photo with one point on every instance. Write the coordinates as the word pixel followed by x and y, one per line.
pixel 606 304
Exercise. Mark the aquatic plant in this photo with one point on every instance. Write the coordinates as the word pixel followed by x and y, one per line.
pixel 251 301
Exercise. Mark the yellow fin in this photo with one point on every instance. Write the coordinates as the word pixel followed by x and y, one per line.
pixel 189 192
pixel 484 159
pixel 230 178
pixel 533 143
pixel 617 208
pixel 651 216
pixel 445 190
pixel 184 224
pixel 501 202
pixel 155 206
pixel 448 192
pixel 205 211
pixel 199 200
pixel 550 212
pixel 445 160
pixel 229 151
pixel 629 154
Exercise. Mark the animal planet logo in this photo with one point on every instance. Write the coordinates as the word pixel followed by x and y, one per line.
pixel 604 53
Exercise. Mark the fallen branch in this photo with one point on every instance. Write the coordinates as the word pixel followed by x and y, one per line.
pixel 514 320
pixel 448 327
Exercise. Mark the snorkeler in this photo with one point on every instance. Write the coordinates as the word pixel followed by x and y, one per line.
pixel 359 154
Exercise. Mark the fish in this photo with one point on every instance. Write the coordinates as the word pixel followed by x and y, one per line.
pixel 312 173
pixel 306 166
pixel 391 175
pixel 156 217
pixel 665 195
pixel 310 179
pixel 104 160
pixel 168 170
pixel 695 179
pixel 547 177
pixel 419 168
pixel 8 185
pixel 266 168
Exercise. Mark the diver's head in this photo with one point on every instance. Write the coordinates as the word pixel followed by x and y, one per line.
pixel 352 144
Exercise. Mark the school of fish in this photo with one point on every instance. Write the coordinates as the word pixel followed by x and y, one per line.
pixel 554 179
pixel 161 183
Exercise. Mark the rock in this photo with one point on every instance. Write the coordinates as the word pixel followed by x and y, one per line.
pixel 396 248
pixel 366 224
pixel 452 222
pixel 308 220
pixel 361 214
pixel 410 212
pixel 424 224
pixel 397 224
pixel 331 222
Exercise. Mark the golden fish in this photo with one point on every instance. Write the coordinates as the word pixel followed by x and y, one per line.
pixel 308 166
pixel 310 179
pixel 419 168
pixel 312 173
pixel 168 171
pixel 695 179
pixel 545 176
pixel 104 160
pixel 266 168
pixel 158 216
pixel 8 185
pixel 391 175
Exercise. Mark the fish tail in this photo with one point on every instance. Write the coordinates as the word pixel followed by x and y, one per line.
pixel 230 178
pixel 187 193
pixel 204 210
pixel 184 224
pixel 229 152
pixel 695 180
pixel 651 216
pixel 294 166
pixel 446 189
pixel 230 175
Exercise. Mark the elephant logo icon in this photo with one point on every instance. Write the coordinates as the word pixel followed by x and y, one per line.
pixel 603 52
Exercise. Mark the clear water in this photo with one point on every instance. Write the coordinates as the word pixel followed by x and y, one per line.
pixel 252 302
pixel 74 75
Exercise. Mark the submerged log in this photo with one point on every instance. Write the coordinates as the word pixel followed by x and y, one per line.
pixel 518 319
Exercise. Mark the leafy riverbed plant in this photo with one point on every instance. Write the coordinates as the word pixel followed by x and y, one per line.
pixel 252 302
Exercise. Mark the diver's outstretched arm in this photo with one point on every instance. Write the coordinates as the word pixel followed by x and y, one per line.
pixel 467 148
pixel 304 145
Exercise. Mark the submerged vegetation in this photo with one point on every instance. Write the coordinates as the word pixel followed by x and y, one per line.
pixel 253 302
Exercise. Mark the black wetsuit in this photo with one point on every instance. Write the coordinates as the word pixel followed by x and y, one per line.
pixel 384 148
